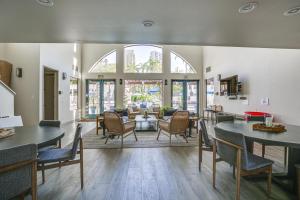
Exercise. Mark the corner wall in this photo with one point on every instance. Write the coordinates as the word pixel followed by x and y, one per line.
pixel 60 57
pixel 27 57
pixel 272 73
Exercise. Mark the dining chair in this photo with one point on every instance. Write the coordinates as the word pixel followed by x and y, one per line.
pixel 53 144
pixel 54 158
pixel 18 172
pixel 231 148
pixel 205 142
pixel 264 144
pixel 117 127
pixel 177 125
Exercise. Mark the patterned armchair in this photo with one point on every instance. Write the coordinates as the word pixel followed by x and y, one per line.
pixel 116 127
pixel 177 125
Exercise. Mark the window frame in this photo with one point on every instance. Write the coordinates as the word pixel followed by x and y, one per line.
pixel 72 78
pixel 181 57
pixel 144 45
pixel 100 59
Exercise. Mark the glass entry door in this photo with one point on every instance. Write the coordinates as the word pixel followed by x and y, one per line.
pixel 100 96
pixel 185 95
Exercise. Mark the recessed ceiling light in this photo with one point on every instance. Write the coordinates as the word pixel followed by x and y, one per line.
pixel 292 11
pixel 148 23
pixel 48 3
pixel 248 7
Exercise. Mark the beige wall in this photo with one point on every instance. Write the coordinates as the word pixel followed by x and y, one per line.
pixel 92 52
pixel 60 57
pixel 27 57
pixel 7 101
pixel 272 73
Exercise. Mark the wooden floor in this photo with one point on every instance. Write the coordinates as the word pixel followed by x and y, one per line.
pixel 148 173
pixel 167 173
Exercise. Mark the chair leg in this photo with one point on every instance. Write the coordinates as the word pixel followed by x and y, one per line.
pixel 106 139
pixel 285 155
pixel 43 173
pixel 269 181
pixel 34 181
pixel 122 141
pixel 200 150
pixel 214 165
pixel 170 138
pixel 233 171
pixel 81 163
pixel 135 135
pixel 263 150
pixel 158 134
pixel 184 136
pixel 238 174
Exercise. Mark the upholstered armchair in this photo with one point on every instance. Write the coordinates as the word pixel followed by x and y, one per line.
pixel 116 127
pixel 177 125
pixel 133 111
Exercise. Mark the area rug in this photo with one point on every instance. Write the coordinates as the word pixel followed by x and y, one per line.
pixel 145 140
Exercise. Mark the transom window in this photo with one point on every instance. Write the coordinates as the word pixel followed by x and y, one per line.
pixel 106 64
pixel 143 59
pixel 180 65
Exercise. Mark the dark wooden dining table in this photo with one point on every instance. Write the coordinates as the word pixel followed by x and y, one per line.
pixel 290 139
pixel 41 136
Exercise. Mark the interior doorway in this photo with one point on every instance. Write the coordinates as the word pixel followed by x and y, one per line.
pixel 50 94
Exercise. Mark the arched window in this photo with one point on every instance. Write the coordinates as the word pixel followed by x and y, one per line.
pixel 180 65
pixel 143 59
pixel 106 64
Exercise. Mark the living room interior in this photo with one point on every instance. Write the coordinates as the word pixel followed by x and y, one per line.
pixel 109 100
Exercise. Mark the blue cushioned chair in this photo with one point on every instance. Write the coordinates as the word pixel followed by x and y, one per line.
pixel 54 144
pixel 18 171
pixel 54 158
pixel 231 148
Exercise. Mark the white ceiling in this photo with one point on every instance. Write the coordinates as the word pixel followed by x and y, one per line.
pixel 194 22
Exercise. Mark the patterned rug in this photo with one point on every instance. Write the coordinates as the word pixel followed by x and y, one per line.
pixel 145 140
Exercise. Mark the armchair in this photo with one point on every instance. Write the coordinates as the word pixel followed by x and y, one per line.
pixel 177 125
pixel 133 111
pixel 116 127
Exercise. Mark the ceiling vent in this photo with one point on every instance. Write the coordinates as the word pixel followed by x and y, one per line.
pixel 48 3
pixel 248 7
pixel 292 11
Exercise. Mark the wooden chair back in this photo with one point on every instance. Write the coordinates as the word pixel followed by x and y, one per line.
pixel 113 122
pixel 179 122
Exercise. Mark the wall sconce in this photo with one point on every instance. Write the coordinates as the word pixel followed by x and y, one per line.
pixel 166 82
pixel 219 77
pixel 121 81
pixel 19 72
pixel 64 75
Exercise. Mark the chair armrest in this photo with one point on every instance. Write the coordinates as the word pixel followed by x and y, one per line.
pixel 227 143
pixel 161 121
pixel 131 122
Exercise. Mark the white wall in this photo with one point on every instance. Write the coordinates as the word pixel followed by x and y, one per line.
pixel 7 101
pixel 25 56
pixel 60 57
pixel 272 73
pixel 92 52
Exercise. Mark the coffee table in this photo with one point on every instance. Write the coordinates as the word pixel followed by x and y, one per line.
pixel 146 124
